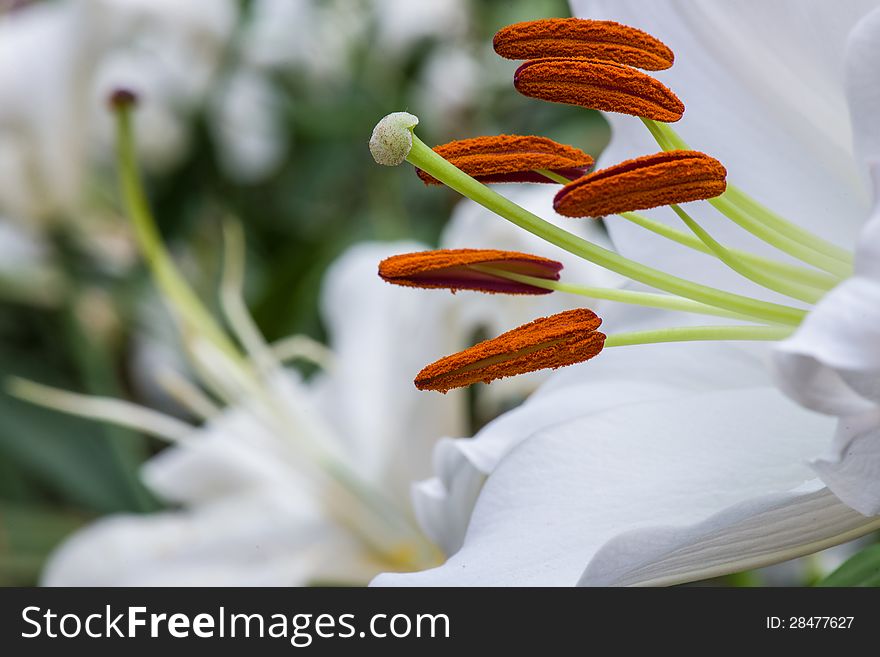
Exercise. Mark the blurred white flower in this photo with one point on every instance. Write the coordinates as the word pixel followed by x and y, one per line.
pixel 26 270
pixel 58 62
pixel 45 55
pixel 305 35
pixel 246 121
pixel 294 482
pixel 403 23
pixel 169 53
pixel 448 86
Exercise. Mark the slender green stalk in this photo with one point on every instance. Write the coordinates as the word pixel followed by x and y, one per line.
pixel 552 175
pixel 658 135
pixel 168 277
pixel 649 299
pixel 699 333
pixel 785 227
pixel 778 240
pixel 668 139
pixel 789 289
pixel 806 276
pixel 427 160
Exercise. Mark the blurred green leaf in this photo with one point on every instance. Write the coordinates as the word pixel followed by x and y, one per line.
pixel 28 534
pixel 863 569
pixel 71 459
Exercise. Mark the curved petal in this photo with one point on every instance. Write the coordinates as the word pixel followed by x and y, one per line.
pixel 832 363
pixel 763 99
pixel 554 501
pixel 852 468
pixel 752 534
pixel 444 503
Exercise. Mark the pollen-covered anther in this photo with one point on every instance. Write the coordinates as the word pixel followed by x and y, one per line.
pixel 598 85
pixel 454 269
pixel 579 37
pixel 549 342
pixel 645 182
pixel 511 158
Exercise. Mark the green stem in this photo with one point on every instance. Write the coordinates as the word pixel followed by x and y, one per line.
pixel 778 240
pixel 785 227
pixel 699 333
pixel 658 135
pixel 427 160
pixel 752 213
pixel 806 276
pixel 168 278
pixel 792 290
pixel 649 299
pixel 552 175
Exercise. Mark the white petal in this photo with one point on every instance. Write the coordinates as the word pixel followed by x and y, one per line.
pixel 852 468
pixel 553 502
pixel 863 92
pixel 749 535
pixel 619 377
pixel 762 98
pixel 232 454
pixel 819 366
pixel 382 335
pixel 260 539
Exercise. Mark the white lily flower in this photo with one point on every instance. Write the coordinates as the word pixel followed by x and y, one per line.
pixel 664 464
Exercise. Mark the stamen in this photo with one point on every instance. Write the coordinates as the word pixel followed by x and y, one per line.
pixel 788 288
pixel 455 269
pixel 632 297
pixel 699 334
pixel 645 182
pixel 598 85
pixel 578 37
pixel 107 409
pixel 762 222
pixel 511 158
pixel 549 342
pixel 423 157
pixel 818 279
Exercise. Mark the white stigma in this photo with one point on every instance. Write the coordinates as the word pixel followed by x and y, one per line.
pixel 391 140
